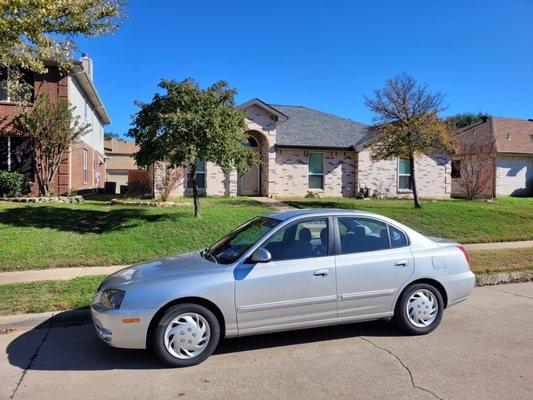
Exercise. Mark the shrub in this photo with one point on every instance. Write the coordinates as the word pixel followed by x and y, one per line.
pixel 11 184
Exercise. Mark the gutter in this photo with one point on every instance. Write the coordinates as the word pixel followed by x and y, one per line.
pixel 89 88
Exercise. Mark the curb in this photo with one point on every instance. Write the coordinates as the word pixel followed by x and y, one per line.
pixel 503 278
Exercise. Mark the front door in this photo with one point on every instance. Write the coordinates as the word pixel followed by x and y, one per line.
pixel 374 261
pixel 297 288
pixel 250 181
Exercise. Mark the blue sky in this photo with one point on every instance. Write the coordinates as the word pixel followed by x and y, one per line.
pixel 321 54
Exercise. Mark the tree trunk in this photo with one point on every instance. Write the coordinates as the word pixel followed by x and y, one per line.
pixel 413 181
pixel 195 196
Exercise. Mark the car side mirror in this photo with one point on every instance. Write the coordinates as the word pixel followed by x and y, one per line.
pixel 261 256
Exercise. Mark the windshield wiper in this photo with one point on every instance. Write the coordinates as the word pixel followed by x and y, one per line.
pixel 208 254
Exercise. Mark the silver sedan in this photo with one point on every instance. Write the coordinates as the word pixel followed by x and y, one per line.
pixel 283 271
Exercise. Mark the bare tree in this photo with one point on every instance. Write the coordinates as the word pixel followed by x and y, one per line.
pixel 166 179
pixel 52 128
pixel 406 123
pixel 473 170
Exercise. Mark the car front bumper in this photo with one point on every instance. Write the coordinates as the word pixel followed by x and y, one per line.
pixel 111 329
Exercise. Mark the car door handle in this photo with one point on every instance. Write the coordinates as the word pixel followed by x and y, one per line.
pixel 402 263
pixel 322 273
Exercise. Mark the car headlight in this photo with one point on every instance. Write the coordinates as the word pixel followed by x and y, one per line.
pixel 112 298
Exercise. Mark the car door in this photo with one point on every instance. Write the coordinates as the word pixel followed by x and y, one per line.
pixel 373 261
pixel 297 287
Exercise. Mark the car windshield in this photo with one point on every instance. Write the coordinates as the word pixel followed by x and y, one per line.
pixel 233 245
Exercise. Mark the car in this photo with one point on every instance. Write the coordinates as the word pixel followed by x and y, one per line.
pixel 283 271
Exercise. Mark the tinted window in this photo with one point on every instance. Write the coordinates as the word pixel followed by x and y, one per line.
pixel 397 238
pixel 232 246
pixel 303 239
pixel 358 235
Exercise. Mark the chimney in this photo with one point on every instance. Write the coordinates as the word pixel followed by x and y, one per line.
pixel 87 64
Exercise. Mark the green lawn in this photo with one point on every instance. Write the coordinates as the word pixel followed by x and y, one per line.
pixel 37 236
pixel 505 219
pixel 41 296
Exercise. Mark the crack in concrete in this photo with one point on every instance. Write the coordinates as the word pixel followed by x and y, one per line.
pixel 514 294
pixel 415 386
pixel 32 358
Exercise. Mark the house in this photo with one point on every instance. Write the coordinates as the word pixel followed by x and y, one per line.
pixel 120 161
pixel 82 169
pixel 308 151
pixel 508 144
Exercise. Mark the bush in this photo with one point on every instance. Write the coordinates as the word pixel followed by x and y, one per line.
pixel 11 184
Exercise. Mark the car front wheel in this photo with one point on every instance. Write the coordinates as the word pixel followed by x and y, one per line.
pixel 419 309
pixel 186 335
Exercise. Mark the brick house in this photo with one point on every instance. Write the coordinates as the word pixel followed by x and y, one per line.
pixel 120 162
pixel 82 167
pixel 510 141
pixel 304 150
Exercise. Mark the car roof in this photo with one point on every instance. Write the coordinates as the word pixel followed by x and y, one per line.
pixel 289 214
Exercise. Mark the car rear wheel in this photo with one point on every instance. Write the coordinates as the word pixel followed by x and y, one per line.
pixel 186 335
pixel 419 309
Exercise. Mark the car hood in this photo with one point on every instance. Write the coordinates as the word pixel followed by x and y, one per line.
pixel 184 265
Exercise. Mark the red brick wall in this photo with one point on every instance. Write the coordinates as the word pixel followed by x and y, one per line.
pixel 55 84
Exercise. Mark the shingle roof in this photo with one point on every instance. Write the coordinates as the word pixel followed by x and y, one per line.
pixel 513 135
pixel 508 135
pixel 311 128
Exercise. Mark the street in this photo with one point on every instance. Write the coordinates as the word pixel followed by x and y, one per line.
pixel 483 349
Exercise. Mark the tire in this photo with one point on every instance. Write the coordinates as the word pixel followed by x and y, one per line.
pixel 179 333
pixel 420 321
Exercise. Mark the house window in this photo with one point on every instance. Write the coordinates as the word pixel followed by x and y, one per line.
pixel 200 175
pixel 15 155
pixel 26 82
pixel 404 175
pixel 316 171
pixel 85 166
pixel 456 168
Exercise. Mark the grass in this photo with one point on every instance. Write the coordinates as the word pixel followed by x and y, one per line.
pixel 492 261
pixel 38 236
pixel 35 297
pixel 41 296
pixel 505 219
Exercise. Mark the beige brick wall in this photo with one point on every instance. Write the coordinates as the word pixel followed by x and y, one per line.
pixel 432 176
pixel 292 173
pixel 514 175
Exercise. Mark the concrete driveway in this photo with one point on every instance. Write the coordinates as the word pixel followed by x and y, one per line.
pixel 482 350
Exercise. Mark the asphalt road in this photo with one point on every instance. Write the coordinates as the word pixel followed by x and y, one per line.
pixel 482 350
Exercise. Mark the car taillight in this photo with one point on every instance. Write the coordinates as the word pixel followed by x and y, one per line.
pixel 462 248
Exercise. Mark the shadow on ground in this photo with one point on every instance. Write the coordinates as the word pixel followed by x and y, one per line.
pixel 66 343
pixel 79 220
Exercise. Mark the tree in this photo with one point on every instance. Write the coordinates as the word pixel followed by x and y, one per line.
pixel 34 30
pixel 406 123
pixel 111 135
pixel 52 127
pixel 188 123
pixel 166 178
pixel 474 170
pixel 459 121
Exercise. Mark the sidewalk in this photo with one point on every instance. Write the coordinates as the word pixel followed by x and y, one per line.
pixel 54 274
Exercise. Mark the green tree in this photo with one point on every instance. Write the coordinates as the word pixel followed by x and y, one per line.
pixel 111 135
pixel 188 123
pixel 52 127
pixel 407 124
pixel 33 30
pixel 462 120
